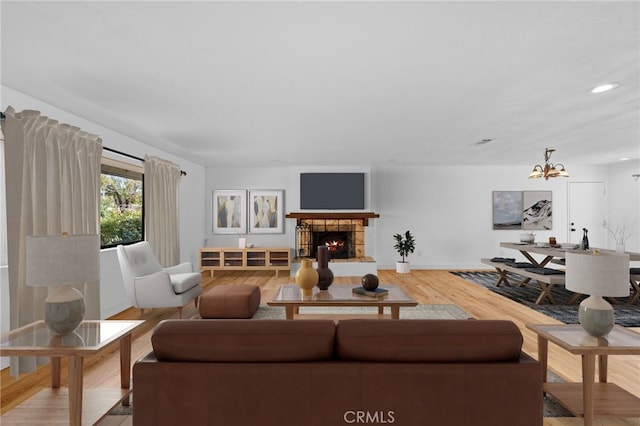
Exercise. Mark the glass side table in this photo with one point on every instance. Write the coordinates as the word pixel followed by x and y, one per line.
pixel 91 338
pixel 590 399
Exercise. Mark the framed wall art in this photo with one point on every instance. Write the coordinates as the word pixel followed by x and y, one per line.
pixel 507 209
pixel 536 210
pixel 229 211
pixel 266 211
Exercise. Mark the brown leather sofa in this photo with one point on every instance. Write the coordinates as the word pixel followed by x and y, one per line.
pixel 314 372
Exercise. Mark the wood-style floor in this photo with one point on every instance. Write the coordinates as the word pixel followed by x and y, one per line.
pixel 427 287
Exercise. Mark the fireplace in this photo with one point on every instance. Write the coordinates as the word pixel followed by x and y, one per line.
pixel 341 243
pixel 343 233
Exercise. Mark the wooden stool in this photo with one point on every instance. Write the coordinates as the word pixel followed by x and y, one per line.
pixel 230 301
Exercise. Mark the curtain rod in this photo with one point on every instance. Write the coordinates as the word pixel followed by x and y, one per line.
pixel 182 172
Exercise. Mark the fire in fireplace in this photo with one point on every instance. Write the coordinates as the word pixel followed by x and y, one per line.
pixel 340 243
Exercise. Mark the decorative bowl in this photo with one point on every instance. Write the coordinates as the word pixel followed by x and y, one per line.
pixel 528 237
pixel 568 246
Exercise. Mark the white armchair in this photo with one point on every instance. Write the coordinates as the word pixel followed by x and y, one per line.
pixel 149 285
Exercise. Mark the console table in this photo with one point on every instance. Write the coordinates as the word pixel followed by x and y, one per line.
pixel 91 338
pixel 589 399
pixel 245 259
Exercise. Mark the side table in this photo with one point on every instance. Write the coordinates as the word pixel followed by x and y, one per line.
pixel 91 338
pixel 589 399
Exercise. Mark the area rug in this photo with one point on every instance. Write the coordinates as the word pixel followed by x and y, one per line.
pixel 416 312
pixel 626 315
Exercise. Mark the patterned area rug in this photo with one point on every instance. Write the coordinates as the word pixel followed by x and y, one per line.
pixel 626 315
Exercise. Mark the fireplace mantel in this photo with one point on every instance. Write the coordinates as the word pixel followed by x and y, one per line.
pixel 364 216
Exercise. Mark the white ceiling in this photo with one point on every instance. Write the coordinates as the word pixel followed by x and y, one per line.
pixel 299 83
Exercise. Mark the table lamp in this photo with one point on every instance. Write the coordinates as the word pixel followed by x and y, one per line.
pixel 597 274
pixel 62 261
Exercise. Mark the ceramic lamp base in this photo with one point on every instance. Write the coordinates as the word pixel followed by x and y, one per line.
pixel 596 316
pixel 64 310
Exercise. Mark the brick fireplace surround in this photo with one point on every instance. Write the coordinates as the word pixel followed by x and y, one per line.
pixel 351 224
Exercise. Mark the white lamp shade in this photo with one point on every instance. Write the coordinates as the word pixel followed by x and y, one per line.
pixel 54 260
pixel 602 274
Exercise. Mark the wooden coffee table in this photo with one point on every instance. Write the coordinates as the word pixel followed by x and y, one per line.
pixel 290 296
pixel 589 399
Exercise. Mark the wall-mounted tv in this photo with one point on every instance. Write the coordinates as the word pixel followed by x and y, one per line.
pixel 332 191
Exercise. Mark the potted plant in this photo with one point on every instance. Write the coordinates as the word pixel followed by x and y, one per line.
pixel 620 234
pixel 405 244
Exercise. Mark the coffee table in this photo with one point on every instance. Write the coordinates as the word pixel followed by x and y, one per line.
pixel 339 295
pixel 589 399
pixel 50 406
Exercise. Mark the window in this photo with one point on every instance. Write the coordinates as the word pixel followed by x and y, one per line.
pixel 121 203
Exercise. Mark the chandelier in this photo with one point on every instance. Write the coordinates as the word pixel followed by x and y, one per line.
pixel 549 169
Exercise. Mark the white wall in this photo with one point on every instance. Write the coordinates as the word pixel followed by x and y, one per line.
pixel 447 208
pixel 449 211
pixel 192 220
pixel 623 197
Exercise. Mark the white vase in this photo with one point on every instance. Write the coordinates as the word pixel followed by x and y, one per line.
pixel 620 248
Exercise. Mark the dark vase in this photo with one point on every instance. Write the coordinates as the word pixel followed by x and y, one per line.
pixel 585 239
pixel 325 275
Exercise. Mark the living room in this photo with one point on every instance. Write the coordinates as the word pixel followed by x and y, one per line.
pixel 445 202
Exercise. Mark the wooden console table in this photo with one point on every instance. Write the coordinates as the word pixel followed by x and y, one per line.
pixel 245 259
pixel 589 399
pixel 91 338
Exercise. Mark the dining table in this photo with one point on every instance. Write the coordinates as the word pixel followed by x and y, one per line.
pixel 557 254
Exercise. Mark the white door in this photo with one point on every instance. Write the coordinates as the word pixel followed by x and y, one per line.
pixel 587 209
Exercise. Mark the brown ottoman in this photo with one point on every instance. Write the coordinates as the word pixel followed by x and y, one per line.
pixel 230 301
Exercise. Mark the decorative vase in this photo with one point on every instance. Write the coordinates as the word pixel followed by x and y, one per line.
pixel 306 277
pixel 370 282
pixel 620 248
pixel 325 275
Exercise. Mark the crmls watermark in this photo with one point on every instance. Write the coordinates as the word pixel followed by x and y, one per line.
pixel 369 417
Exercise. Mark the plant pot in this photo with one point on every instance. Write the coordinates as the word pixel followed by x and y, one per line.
pixel 403 267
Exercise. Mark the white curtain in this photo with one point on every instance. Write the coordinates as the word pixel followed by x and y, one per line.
pixel 53 186
pixel 3 207
pixel 162 209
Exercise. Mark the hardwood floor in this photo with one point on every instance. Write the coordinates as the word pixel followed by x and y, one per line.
pixel 427 287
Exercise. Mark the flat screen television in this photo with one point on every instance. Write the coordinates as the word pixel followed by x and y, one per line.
pixel 332 191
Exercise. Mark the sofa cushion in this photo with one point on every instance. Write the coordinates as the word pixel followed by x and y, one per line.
pixel 240 340
pixel 428 340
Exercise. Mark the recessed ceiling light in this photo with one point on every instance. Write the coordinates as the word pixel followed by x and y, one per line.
pixel 604 87
pixel 624 159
